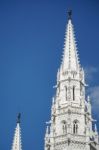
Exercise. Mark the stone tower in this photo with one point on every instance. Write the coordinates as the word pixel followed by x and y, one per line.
pixel 71 124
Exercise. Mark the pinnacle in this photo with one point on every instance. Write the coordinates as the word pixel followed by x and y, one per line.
pixel 69 14
pixel 17 145
pixel 18 118
pixel 70 55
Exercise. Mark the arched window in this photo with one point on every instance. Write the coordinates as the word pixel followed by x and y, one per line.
pixel 64 127
pixel 66 92
pixel 73 93
pixel 75 127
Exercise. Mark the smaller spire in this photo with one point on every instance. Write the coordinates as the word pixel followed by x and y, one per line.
pixel 17 144
pixel 70 14
pixel 19 118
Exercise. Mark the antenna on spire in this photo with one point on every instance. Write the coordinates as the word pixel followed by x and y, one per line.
pixel 70 14
pixel 18 118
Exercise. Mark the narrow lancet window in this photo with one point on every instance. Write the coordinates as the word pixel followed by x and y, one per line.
pixel 80 89
pixel 73 93
pixel 64 127
pixel 66 92
pixel 75 127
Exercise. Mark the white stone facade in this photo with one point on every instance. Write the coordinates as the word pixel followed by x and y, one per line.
pixel 70 127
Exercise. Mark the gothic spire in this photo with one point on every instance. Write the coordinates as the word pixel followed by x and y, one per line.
pixel 70 56
pixel 17 145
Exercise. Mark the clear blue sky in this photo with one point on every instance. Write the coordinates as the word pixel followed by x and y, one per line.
pixel 31 46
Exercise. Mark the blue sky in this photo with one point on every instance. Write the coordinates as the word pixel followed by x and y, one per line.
pixel 31 46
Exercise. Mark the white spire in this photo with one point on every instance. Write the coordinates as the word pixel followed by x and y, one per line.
pixel 96 131
pixel 71 125
pixel 70 56
pixel 17 136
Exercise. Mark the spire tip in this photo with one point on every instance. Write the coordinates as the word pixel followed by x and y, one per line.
pixel 70 14
pixel 18 118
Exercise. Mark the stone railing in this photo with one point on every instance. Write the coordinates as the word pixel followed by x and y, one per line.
pixel 71 137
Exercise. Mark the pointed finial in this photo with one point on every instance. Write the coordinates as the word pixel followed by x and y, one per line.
pixel 70 14
pixel 88 99
pixel 18 118
pixel 95 128
pixel 47 130
pixel 53 101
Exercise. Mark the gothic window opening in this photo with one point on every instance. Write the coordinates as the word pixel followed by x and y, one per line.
pixel 64 126
pixel 73 93
pixel 75 127
pixel 66 92
pixel 80 89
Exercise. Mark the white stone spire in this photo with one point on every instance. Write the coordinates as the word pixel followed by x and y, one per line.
pixel 70 56
pixel 71 116
pixel 17 136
